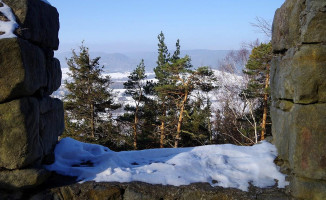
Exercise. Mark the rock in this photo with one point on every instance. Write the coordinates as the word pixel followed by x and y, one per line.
pixel 313 22
pixel 298 91
pixel 38 22
pixel 144 191
pixel 54 75
pixel 308 188
pixel 286 25
pixel 22 179
pixel 30 121
pixel 3 17
pixel 20 144
pixel 20 63
pixel 299 22
pixel 51 123
pixel 29 129
pixel 300 138
pixel 300 75
pixel 307 146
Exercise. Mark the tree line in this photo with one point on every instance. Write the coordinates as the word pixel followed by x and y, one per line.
pixel 176 109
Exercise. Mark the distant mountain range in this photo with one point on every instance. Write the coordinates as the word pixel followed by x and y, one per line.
pixel 118 62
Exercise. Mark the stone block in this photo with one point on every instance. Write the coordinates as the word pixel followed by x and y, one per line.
pixel 299 22
pixel 281 130
pixel 313 22
pixel 51 123
pixel 29 130
pixel 22 179
pixel 307 147
pixel 286 25
pixel 308 189
pixel 54 75
pixel 25 71
pixel 300 138
pixel 300 75
pixel 20 144
pixel 38 22
pixel 22 67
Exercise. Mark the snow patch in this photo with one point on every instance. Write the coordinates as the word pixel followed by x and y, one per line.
pixel 7 27
pixel 220 165
pixel 45 1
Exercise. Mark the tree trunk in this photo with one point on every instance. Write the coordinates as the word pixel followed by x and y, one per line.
pixel 177 138
pixel 263 125
pixel 162 135
pixel 92 121
pixel 210 131
pixel 162 128
pixel 135 128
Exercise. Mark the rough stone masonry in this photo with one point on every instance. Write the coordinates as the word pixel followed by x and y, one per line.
pixel 298 87
pixel 30 120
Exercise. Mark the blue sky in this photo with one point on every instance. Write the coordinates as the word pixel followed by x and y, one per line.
pixel 133 25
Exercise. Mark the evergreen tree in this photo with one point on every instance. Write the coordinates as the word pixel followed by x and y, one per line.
pixel 177 80
pixel 89 98
pixel 135 88
pixel 258 69
pixel 196 126
pixel 161 76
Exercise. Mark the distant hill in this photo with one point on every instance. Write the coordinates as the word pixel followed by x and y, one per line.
pixel 118 62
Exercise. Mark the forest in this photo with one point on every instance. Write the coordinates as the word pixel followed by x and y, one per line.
pixel 174 110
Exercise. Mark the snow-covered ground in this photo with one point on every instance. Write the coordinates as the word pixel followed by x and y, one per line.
pixel 7 27
pixel 220 165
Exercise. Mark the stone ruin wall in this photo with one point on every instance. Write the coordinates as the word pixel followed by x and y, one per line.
pixel 30 120
pixel 298 87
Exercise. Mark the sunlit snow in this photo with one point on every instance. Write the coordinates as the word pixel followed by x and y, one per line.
pixel 7 27
pixel 45 1
pixel 220 165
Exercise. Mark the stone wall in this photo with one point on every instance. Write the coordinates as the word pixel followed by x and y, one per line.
pixel 298 87
pixel 30 120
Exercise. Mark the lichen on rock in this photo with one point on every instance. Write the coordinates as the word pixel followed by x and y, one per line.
pixel 298 89
pixel 30 120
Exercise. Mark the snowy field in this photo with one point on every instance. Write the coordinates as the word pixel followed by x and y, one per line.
pixel 225 81
pixel 220 165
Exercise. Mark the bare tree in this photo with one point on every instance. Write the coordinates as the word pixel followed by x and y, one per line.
pixel 263 26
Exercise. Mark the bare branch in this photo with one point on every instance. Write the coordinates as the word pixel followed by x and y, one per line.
pixel 263 26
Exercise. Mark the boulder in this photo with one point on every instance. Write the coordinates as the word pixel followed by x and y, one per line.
pixel 51 123
pixel 37 20
pixel 22 179
pixel 286 25
pixel 312 189
pixel 313 22
pixel 29 130
pixel 299 22
pixel 298 92
pixel 20 144
pixel 25 71
pixel 299 75
pixel 54 75
pixel 300 138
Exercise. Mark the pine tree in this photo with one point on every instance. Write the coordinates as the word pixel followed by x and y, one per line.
pixel 135 88
pixel 258 69
pixel 161 76
pixel 177 80
pixel 89 98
